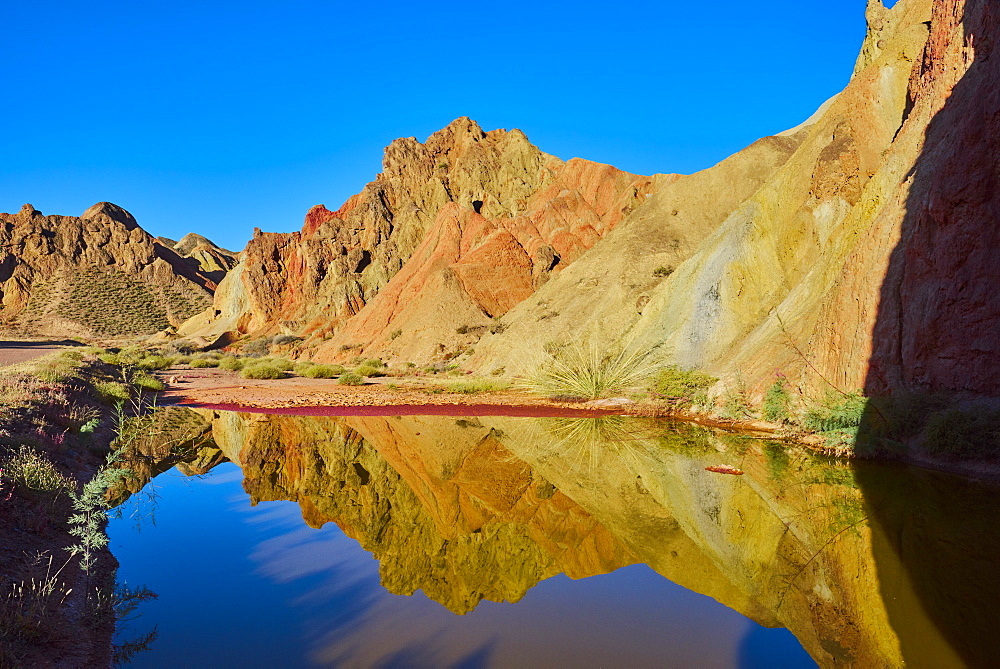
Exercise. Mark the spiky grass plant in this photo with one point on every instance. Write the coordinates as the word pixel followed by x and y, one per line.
pixel 589 372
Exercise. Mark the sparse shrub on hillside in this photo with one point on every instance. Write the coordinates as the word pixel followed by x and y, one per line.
pixel 498 328
pixel 663 272
pixel 257 348
pixel 350 379
pixel 262 371
pixel 284 339
pixel 395 333
pixel 683 387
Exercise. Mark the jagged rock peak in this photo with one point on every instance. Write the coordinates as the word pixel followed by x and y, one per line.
pixel 112 211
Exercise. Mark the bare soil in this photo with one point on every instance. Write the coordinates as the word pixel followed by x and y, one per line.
pixel 14 352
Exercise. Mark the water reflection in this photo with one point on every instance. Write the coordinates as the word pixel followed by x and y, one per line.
pixel 470 511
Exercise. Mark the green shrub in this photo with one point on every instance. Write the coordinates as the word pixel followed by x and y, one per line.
pixel 262 371
pixel 374 362
pixel 182 360
pixel 154 362
pixel 144 381
pixel 368 370
pixel 474 386
pixel 838 412
pixel 30 470
pixel 323 371
pixel 777 403
pixel 963 433
pixel 281 363
pixel 395 333
pixel 201 363
pixel 231 363
pixel 350 379
pixel 662 272
pixel 112 392
pixel 683 386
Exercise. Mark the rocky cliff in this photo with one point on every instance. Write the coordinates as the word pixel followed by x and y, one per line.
pixel 454 232
pixel 854 251
pixel 97 275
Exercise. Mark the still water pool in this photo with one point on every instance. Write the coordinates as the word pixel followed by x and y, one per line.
pixel 463 541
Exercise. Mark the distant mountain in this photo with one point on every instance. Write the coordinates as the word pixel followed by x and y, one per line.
pixel 97 275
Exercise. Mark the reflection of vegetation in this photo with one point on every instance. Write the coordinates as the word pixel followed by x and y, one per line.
pixel 777 459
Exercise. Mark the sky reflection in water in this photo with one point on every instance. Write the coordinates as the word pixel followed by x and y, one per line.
pixel 244 585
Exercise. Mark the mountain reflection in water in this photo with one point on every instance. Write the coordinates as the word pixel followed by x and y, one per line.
pixel 474 510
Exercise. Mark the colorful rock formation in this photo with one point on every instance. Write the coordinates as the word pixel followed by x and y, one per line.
pixel 96 275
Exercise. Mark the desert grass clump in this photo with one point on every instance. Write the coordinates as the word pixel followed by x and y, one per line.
pixel 837 412
pixel 368 370
pixel 683 387
pixel 112 392
pixel 476 386
pixel 144 381
pixel 589 372
pixel 323 371
pixel 262 371
pixel 202 363
pixel 350 379
pixel 29 470
pixel 283 364
pixel 231 363
pixel 155 363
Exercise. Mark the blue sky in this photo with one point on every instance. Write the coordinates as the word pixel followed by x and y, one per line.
pixel 217 117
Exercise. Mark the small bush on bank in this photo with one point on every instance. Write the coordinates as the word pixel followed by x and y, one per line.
pixel 231 363
pixel 777 403
pixel 368 370
pixel 350 379
pixel 155 363
pixel 281 363
pixel 323 371
pixel 963 433
pixel 262 371
pixel 202 363
pixel 30 470
pixel 474 386
pixel 112 392
pixel 683 386
pixel 838 412
pixel 589 372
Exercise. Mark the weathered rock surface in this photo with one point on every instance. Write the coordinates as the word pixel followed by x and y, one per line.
pixel 96 275
pixel 479 218
pixel 210 260
pixel 854 251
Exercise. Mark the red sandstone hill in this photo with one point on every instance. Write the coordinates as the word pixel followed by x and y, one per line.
pixel 857 250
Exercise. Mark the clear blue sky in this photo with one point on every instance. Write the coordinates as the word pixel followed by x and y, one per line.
pixel 216 117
